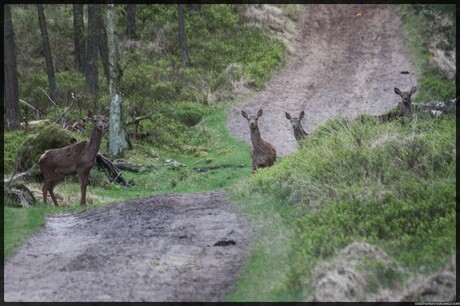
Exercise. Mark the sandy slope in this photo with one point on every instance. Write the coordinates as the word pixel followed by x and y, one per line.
pixel 344 64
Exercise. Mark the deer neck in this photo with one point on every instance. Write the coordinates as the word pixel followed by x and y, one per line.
pixel 256 139
pixel 94 142
pixel 405 108
pixel 299 131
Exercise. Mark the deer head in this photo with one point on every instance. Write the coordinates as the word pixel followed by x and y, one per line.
pixel 295 122
pixel 252 120
pixel 406 95
pixel 100 121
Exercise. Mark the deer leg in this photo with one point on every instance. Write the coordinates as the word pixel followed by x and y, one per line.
pixel 45 191
pixel 83 176
pixel 254 167
pixel 52 185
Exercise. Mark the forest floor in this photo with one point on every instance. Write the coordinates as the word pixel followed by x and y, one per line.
pixel 191 247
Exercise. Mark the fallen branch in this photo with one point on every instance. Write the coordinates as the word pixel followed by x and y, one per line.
pixel 19 195
pixel 48 96
pixel 36 111
pixel 138 119
pixel 66 111
pixel 205 169
pixel 138 168
pixel 111 170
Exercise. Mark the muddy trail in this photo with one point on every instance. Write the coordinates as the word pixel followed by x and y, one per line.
pixel 347 61
pixel 191 247
pixel 175 247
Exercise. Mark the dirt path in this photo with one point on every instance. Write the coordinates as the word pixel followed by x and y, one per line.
pixel 163 248
pixel 344 64
pixel 160 248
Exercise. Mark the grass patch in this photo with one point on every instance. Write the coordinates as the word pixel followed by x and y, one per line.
pixel 432 85
pixel 391 185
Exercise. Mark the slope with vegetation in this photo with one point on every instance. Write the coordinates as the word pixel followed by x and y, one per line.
pixel 350 184
pixel 362 210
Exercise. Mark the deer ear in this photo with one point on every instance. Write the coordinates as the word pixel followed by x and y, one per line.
pixel 259 113
pixel 302 114
pixel 397 91
pixel 288 115
pixel 245 115
pixel 413 89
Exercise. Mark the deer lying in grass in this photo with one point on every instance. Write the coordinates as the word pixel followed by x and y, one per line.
pixel 299 132
pixel 263 153
pixel 78 158
pixel 405 107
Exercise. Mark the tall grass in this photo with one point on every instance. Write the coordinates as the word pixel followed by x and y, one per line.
pixel 391 185
pixel 438 24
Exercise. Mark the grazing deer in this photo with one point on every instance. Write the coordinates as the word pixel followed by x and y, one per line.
pixel 78 158
pixel 263 153
pixel 299 132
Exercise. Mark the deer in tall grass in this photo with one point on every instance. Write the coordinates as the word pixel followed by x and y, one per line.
pixel 78 158
pixel 405 107
pixel 299 132
pixel 263 153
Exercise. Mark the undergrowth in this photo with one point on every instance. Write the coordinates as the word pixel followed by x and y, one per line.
pixel 438 24
pixel 391 185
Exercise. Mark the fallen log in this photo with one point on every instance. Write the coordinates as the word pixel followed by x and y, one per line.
pixel 114 174
pixel 18 195
pixel 136 121
pixel 137 168
pixel 205 169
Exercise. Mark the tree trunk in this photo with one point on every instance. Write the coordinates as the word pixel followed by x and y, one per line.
pixel 79 40
pixel 182 36
pixel 195 7
pixel 47 52
pixel 131 24
pixel 13 116
pixel 102 41
pixel 92 77
pixel 118 138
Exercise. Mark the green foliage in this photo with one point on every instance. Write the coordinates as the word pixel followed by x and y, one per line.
pixel 12 141
pixel 394 188
pixel 438 24
pixel 18 224
pixel 437 87
pixel 35 145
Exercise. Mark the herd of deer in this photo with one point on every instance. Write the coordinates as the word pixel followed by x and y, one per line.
pixel 79 158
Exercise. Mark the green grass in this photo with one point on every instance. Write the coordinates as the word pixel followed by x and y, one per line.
pixel 19 224
pixel 431 86
pixel 391 185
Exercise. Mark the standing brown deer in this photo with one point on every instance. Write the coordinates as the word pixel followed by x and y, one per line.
pixel 78 158
pixel 263 153
pixel 299 132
